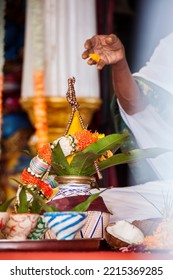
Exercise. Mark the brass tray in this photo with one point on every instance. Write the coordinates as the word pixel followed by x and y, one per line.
pixel 88 244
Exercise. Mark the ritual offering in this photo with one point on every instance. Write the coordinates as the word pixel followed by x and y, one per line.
pixel 55 197
pixel 95 57
pixel 122 234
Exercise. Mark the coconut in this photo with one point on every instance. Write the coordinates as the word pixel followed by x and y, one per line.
pixel 122 234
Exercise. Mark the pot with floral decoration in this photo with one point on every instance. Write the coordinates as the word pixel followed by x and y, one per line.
pixel 64 171
pixel 80 155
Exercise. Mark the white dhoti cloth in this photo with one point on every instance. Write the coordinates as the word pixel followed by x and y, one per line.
pixel 145 201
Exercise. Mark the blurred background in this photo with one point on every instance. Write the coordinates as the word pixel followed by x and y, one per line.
pixel 139 24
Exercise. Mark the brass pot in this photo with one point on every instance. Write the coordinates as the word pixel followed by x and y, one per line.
pixel 86 180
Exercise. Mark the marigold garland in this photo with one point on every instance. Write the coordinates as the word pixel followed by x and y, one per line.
pixel 27 178
pixel 40 109
pixel 47 190
pixel 45 153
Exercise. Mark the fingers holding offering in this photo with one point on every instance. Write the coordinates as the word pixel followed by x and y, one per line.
pixel 103 50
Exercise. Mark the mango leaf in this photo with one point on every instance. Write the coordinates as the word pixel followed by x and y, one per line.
pixel 15 180
pixel 131 156
pixel 82 162
pixel 43 205
pixel 28 153
pixel 23 202
pixel 83 206
pixel 60 164
pixel 110 142
pixel 4 206
pixel 58 169
pixel 35 207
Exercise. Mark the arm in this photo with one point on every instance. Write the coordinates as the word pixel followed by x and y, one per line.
pixel 111 52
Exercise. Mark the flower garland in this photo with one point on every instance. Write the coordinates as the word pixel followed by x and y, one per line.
pixel 37 174
pixel 76 141
pixel 39 103
pixel 2 34
pixel 40 109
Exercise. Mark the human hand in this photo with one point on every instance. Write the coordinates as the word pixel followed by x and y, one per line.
pixel 108 49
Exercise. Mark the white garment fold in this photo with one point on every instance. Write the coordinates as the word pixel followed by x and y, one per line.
pixel 145 201
pixel 159 69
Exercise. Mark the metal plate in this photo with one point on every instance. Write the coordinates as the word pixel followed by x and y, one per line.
pixel 90 244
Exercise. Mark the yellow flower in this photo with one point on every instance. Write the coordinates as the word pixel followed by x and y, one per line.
pixel 95 57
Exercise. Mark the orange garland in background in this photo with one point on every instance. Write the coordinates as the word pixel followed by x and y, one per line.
pixel 39 103
pixel 40 109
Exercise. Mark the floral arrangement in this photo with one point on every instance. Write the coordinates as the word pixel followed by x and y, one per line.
pixel 76 154
pixel 79 152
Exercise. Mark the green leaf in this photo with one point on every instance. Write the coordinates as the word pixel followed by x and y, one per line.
pixel 36 207
pixel 15 180
pixel 28 153
pixel 43 206
pixel 110 142
pixel 58 169
pixel 4 206
pixel 131 156
pixel 83 206
pixel 23 202
pixel 60 164
pixel 83 162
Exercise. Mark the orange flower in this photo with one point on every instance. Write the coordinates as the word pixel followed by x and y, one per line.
pixel 26 177
pixel 47 190
pixel 95 137
pixel 45 153
pixel 85 138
